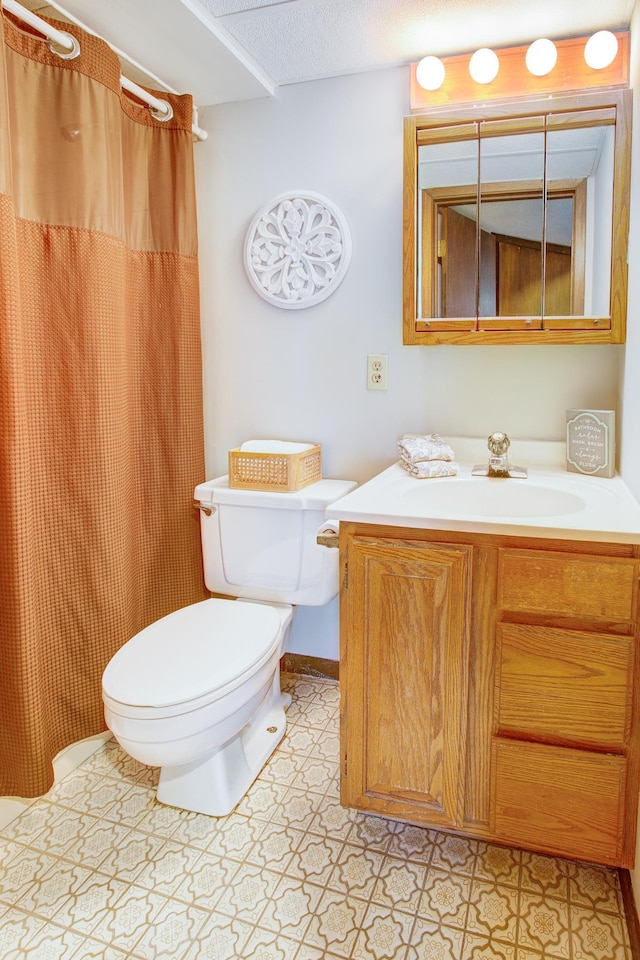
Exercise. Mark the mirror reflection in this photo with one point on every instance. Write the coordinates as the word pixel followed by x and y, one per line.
pixel 516 224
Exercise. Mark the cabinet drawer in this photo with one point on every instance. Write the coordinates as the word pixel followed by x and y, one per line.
pixel 561 801
pixel 564 685
pixel 536 581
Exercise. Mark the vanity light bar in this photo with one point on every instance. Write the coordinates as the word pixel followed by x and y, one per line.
pixel 513 77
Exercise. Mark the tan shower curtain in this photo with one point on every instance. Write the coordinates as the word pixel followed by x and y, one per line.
pixel 100 387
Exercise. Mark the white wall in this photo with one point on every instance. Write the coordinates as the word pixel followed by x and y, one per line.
pixel 630 386
pixel 300 374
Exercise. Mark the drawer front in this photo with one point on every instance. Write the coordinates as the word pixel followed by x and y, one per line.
pixel 598 588
pixel 564 685
pixel 566 802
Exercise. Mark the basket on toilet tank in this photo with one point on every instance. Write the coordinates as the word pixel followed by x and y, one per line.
pixel 276 465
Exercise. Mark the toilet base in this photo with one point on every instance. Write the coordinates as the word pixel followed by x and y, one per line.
pixel 216 783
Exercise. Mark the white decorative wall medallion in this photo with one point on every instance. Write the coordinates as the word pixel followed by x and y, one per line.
pixel 297 250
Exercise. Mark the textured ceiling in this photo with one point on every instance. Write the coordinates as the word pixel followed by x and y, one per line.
pixel 225 50
pixel 295 40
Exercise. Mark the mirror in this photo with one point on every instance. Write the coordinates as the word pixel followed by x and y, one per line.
pixel 509 223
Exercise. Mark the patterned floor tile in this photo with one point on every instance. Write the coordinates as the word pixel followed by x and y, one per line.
pixel 221 938
pixel 207 881
pixel 399 885
pixel 383 936
pixel 275 847
pixel 23 874
pixel 165 872
pixel 129 860
pixel 246 896
pixel 374 833
pixel 356 872
pixel 445 899
pixel 172 932
pixel 336 924
pixel 544 925
pixel 100 870
pixel 594 887
pixel 476 947
pixel 51 942
pixel 545 875
pixel 331 820
pixel 454 854
pixel 412 843
pixel 597 936
pixel 493 911
pixel 298 808
pixel 498 864
pixel 264 945
pixel 54 888
pixel 128 921
pixel 290 908
pixel 314 859
pixel 16 930
pixel 434 941
pixel 91 902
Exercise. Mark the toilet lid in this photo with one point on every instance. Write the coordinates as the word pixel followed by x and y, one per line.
pixel 191 652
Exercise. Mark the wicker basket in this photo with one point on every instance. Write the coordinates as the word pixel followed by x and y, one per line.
pixel 282 472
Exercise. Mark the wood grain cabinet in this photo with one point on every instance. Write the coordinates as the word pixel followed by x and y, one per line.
pixel 488 687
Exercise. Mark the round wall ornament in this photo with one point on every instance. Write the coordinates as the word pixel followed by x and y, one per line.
pixel 297 250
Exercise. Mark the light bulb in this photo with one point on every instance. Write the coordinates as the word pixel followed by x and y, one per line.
pixel 484 65
pixel 601 49
pixel 541 57
pixel 430 73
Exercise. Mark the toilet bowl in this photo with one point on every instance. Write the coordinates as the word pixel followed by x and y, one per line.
pixel 197 693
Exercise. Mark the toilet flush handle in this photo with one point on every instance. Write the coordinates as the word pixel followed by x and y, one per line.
pixel 327 535
pixel 206 509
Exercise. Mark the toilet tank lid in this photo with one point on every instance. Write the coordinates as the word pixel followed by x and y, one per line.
pixel 317 496
pixel 191 652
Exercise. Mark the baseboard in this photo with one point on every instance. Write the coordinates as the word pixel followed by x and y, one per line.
pixel 299 663
pixel 631 913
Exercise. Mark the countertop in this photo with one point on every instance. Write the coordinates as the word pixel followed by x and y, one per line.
pixel 549 503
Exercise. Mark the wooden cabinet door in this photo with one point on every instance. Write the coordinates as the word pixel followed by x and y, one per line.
pixel 402 675
pixel 562 801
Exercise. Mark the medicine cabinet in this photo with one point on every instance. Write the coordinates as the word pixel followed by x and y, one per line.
pixel 516 220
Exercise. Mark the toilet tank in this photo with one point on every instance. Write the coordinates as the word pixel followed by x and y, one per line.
pixel 262 546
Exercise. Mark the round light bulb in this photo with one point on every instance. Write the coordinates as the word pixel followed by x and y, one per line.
pixel 484 65
pixel 430 73
pixel 541 57
pixel 601 49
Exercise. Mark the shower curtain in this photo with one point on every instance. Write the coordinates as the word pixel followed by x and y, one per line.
pixel 100 387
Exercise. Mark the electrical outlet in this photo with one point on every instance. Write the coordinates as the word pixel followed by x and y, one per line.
pixel 377 365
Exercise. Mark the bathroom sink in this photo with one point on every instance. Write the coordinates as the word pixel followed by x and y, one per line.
pixel 482 497
pixel 550 502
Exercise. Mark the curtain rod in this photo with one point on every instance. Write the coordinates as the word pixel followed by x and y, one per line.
pixel 70 48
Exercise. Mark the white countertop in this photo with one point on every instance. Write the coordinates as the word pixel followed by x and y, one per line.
pixel 549 503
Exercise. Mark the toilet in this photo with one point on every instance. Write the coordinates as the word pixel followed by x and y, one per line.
pixel 197 693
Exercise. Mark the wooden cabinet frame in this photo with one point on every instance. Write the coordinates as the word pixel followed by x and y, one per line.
pixel 442 636
pixel 468 330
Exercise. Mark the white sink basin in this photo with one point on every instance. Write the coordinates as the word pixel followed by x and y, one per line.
pixel 548 503
pixel 483 497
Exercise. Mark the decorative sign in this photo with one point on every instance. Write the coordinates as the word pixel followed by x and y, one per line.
pixel 591 442
pixel 297 250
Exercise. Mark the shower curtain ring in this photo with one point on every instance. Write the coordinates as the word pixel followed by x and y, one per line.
pixel 64 52
pixel 164 114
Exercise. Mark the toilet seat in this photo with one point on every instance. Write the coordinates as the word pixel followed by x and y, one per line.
pixel 190 657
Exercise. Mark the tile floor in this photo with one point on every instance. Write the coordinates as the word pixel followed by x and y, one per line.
pixel 98 869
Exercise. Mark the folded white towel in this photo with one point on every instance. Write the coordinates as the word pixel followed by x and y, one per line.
pixel 426 469
pixel 428 447
pixel 274 446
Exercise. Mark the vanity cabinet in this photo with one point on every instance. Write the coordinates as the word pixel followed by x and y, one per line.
pixel 488 686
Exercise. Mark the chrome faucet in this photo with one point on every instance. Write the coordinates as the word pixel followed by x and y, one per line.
pixel 499 465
